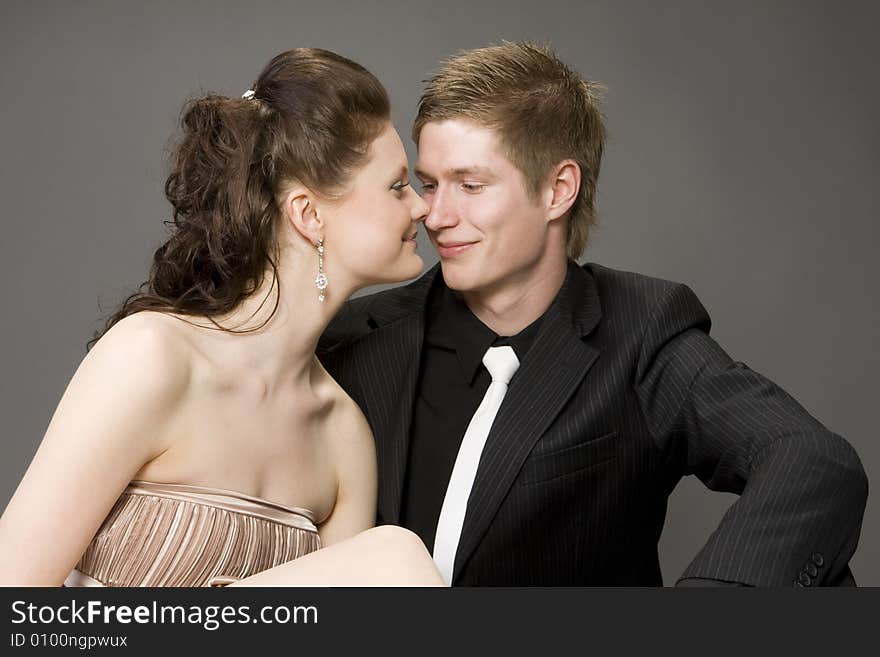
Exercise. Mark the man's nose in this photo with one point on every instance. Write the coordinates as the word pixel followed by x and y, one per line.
pixel 441 214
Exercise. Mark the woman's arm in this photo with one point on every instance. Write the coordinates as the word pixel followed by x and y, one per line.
pixel 354 454
pixel 114 417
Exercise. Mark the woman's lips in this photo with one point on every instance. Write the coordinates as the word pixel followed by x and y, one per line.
pixel 452 249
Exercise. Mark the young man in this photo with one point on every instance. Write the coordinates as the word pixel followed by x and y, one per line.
pixel 605 390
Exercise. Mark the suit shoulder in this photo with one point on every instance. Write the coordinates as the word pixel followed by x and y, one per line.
pixel 630 287
pixel 348 323
pixel 637 300
pixel 353 319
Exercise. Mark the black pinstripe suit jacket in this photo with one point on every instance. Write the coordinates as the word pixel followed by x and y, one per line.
pixel 622 393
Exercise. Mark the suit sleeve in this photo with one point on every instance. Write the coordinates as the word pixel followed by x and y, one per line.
pixel 802 488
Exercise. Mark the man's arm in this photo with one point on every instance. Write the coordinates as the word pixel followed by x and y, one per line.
pixel 802 488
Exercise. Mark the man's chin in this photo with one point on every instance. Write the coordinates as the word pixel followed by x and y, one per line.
pixel 456 277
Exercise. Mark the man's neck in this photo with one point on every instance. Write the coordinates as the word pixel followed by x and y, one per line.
pixel 508 309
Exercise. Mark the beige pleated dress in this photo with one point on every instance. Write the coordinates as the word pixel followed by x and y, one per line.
pixel 181 535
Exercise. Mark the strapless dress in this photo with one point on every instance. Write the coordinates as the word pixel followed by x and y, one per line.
pixel 180 535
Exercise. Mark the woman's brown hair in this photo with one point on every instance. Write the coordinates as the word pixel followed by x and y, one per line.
pixel 311 118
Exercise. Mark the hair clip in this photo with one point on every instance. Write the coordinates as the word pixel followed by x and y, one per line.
pixel 249 94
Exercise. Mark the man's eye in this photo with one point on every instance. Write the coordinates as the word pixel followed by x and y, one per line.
pixel 427 188
pixel 472 187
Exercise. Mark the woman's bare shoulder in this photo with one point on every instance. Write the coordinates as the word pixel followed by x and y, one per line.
pixel 150 347
pixel 347 420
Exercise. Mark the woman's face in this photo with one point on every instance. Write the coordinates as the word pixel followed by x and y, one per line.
pixel 370 235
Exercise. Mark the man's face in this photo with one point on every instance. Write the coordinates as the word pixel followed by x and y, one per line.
pixel 490 233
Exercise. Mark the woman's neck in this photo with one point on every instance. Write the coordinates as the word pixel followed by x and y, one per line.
pixel 278 326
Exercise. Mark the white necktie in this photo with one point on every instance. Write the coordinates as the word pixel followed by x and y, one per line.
pixel 502 363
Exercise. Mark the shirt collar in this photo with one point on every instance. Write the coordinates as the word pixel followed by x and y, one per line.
pixel 451 325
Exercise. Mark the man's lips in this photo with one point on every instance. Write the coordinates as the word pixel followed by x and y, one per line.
pixel 452 249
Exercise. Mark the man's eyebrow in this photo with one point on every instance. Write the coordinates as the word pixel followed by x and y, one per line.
pixel 457 171
pixel 469 171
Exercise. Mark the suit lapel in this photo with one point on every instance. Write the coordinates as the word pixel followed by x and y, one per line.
pixel 551 371
pixel 388 391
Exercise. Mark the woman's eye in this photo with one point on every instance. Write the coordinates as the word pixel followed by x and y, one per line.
pixel 399 186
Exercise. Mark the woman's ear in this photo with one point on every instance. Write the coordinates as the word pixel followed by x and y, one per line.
pixel 301 214
pixel 565 184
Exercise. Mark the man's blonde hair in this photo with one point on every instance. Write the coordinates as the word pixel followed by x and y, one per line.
pixel 543 111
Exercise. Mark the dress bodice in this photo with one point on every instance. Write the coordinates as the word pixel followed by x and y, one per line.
pixel 161 534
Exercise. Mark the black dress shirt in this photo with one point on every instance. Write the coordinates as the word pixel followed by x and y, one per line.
pixel 452 383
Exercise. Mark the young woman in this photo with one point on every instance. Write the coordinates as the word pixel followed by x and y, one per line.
pixel 200 442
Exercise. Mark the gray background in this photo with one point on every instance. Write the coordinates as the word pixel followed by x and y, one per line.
pixel 743 160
